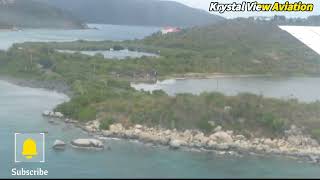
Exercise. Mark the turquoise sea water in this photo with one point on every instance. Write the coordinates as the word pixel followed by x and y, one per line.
pixel 20 111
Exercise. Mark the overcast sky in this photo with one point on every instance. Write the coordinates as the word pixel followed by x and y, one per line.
pixel 204 4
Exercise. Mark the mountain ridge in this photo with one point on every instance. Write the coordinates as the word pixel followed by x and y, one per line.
pixel 35 14
pixel 136 12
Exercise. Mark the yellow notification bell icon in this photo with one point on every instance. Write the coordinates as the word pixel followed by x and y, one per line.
pixel 29 148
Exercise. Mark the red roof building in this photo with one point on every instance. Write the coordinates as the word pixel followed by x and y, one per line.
pixel 167 30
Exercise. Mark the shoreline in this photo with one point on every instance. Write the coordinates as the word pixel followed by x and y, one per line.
pixel 220 141
pixel 177 77
pixel 224 142
pixel 52 85
pixel 215 75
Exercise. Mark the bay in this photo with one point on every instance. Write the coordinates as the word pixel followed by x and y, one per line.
pixel 305 89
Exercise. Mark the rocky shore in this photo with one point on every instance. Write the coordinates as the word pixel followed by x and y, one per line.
pixel 294 144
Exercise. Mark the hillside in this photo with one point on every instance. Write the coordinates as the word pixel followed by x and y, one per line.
pixel 34 14
pixel 136 12
pixel 239 46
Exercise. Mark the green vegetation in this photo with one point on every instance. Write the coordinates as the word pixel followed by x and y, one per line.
pixel 273 122
pixel 105 123
pixel 316 133
pixel 101 88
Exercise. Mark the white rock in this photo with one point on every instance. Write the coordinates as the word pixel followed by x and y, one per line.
pixel 217 129
pixel 268 142
pixel 259 148
pixel 137 131
pixel 138 126
pixel 150 138
pixel 87 143
pixel 199 136
pixel 107 133
pixel 167 132
pixel 163 140
pixel 58 114
pixel 59 144
pixel 175 143
pixel 314 159
pixel 240 137
pixel 213 137
pixel 96 143
pixel 51 113
pixel 227 108
pixel 46 113
pixel 295 140
pixel 222 137
pixel 70 121
pixel 116 128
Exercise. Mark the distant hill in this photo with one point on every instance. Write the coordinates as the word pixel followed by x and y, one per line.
pixel 240 46
pixel 34 14
pixel 136 12
pixel 310 21
pixel 313 20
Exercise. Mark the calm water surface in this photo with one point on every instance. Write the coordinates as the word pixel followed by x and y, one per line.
pixel 302 88
pixel 120 55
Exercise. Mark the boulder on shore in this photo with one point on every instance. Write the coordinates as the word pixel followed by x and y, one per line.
pixel 221 137
pixel 314 159
pixel 87 143
pixel 59 145
pixel 175 144
pixel 138 126
pixel 217 129
pixel 58 114
pixel 53 114
pixel 116 128
pixel 46 113
pixel 70 121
